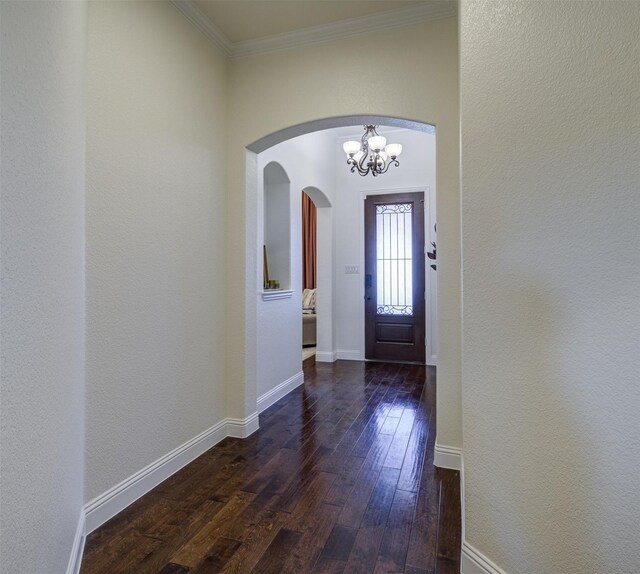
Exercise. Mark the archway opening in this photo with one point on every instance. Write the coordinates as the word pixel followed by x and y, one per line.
pixel 257 154
pixel 317 319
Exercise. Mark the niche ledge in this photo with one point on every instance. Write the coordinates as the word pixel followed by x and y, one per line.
pixel 275 294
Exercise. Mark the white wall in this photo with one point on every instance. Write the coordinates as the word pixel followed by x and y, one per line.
pixel 279 322
pixel 551 322
pixel 156 225
pixel 417 170
pixel 415 77
pixel 42 338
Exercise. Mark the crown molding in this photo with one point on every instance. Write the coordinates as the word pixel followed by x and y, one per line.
pixel 314 34
pixel 197 17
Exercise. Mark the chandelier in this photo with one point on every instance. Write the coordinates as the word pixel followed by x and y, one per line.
pixel 372 154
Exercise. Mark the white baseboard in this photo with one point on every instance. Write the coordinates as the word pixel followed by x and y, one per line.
pixel 241 428
pixel 77 550
pixel 433 361
pixel 474 562
pixel 284 388
pixel 350 355
pixel 117 498
pixel 447 456
pixel 326 356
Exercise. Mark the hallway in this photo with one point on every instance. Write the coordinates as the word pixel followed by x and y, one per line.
pixel 338 479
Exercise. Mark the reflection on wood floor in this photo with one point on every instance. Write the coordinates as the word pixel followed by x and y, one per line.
pixel 339 479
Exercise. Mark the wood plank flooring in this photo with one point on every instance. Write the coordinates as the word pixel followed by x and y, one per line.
pixel 339 479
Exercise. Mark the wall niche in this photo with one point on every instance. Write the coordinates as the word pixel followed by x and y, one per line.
pixel 277 231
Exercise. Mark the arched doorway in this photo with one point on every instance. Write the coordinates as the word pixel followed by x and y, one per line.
pixel 252 261
pixel 324 274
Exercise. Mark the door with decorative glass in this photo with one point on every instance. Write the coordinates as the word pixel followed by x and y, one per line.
pixel 395 277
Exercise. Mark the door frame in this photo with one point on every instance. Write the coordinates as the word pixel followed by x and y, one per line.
pixel 430 279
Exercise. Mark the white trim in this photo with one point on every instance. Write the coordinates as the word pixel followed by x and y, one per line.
pixel 431 278
pixel 284 388
pixel 447 456
pixel 313 34
pixel 474 562
pixel 77 550
pixel 349 355
pixel 344 29
pixel 242 428
pixel 462 498
pixel 276 294
pixel 109 503
pixel 326 356
pixel 433 361
pixel 196 17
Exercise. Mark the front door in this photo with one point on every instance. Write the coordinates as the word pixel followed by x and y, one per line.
pixel 394 277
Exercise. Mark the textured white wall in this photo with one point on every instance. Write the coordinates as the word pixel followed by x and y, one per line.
pixel 155 237
pixel 417 170
pixel 551 323
pixel 41 400
pixel 416 77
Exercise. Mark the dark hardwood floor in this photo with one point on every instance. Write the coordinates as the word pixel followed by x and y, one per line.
pixel 339 479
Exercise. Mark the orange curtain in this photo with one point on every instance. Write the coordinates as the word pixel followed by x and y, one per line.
pixel 309 215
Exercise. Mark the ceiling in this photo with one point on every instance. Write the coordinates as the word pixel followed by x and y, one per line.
pixel 246 20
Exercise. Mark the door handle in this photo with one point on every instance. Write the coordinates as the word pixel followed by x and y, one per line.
pixel 368 280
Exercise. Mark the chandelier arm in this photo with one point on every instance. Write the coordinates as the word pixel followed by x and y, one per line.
pixel 363 170
pixel 355 166
pixel 391 162
pixel 363 166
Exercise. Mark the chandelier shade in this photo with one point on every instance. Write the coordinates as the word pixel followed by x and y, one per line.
pixel 351 147
pixel 377 143
pixel 371 154
pixel 393 150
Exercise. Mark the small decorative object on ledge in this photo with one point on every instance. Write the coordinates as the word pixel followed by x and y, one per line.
pixel 265 268
pixel 371 154
pixel 432 254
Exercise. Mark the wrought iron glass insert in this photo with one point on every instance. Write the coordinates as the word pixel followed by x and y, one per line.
pixel 394 259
